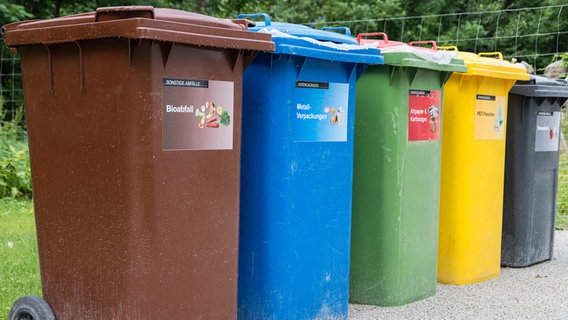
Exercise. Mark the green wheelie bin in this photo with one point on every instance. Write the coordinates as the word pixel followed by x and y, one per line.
pixel 396 182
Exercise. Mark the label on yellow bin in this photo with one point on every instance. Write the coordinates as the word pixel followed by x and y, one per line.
pixel 489 117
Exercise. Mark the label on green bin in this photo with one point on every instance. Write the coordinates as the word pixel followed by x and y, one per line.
pixel 424 115
pixel 320 111
pixel 547 135
pixel 490 114
pixel 197 114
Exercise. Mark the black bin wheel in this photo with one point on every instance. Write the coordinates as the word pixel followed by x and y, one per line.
pixel 31 308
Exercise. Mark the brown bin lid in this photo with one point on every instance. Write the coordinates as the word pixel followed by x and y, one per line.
pixel 139 22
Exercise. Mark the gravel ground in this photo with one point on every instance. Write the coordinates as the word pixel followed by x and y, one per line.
pixel 536 292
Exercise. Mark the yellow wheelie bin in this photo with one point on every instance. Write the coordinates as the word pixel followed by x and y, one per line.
pixel 473 160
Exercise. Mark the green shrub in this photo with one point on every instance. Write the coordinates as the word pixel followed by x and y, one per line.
pixel 562 200
pixel 15 176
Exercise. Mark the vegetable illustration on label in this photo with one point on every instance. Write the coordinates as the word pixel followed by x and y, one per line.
pixel 196 114
pixel 212 116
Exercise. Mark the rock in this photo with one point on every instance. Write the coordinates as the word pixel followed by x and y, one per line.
pixel 527 66
pixel 555 70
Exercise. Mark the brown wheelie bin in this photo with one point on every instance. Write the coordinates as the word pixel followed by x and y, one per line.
pixel 134 119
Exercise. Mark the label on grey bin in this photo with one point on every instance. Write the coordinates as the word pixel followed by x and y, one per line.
pixel 197 114
pixel 547 137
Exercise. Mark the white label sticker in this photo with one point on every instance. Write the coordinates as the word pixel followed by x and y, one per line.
pixel 547 137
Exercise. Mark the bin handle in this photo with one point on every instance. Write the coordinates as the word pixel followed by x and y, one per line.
pixel 453 48
pixel 373 34
pixel 256 15
pixel 489 54
pixel 117 13
pixel 432 42
pixel 344 29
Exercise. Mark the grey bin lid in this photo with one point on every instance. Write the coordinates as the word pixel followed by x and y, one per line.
pixel 539 86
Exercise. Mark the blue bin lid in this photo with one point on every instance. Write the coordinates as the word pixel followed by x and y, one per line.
pixel 300 40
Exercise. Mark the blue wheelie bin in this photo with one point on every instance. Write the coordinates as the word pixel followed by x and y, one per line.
pixel 296 170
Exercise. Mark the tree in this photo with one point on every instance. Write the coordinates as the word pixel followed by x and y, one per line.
pixel 11 12
pixel 472 25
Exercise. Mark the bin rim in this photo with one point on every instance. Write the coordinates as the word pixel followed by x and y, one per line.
pixel 126 12
pixel 299 30
pixel 138 22
pixel 402 54
pixel 300 40
pixel 539 86
pixel 324 50
pixel 402 59
pixel 481 65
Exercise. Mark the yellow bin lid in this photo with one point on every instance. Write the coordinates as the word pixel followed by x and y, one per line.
pixel 490 64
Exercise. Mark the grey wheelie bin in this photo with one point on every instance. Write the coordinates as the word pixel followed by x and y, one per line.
pixel 531 170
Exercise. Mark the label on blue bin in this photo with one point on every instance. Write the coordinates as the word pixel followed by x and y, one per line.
pixel 424 115
pixel 320 111
pixel 547 137
pixel 197 114
pixel 490 117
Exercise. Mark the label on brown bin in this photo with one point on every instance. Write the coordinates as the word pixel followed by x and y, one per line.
pixel 197 114
pixel 424 115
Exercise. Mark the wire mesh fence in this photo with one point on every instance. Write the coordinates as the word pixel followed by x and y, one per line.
pixel 536 35
pixel 537 41
pixel 562 199
pixel 11 94
pixel 514 32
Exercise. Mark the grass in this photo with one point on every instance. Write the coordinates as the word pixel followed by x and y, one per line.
pixel 562 200
pixel 19 266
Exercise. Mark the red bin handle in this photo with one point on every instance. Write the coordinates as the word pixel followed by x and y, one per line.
pixel 373 34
